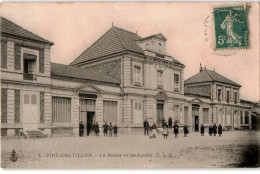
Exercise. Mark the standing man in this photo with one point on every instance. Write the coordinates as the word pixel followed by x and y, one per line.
pixel 146 127
pixel 110 129
pixel 214 129
pixel 210 130
pixel 105 127
pixel 202 130
pixel 97 129
pixel 115 130
pixel 176 129
pixel 220 130
pixel 81 129
pixel 170 122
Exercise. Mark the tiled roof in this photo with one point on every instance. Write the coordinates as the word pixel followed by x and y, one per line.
pixel 10 28
pixel 115 40
pixel 79 73
pixel 195 92
pixel 209 76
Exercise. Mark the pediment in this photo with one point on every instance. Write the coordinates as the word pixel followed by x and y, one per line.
pixel 88 88
pixel 196 100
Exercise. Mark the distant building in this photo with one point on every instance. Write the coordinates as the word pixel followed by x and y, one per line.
pixel 121 78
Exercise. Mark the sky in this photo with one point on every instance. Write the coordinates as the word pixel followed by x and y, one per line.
pixel 188 27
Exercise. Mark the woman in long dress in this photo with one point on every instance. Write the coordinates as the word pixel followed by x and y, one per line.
pixel 228 25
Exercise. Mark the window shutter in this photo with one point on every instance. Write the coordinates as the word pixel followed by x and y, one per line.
pixel 17 106
pixel 17 56
pixel 3 54
pixel 41 60
pixel 42 119
pixel 4 105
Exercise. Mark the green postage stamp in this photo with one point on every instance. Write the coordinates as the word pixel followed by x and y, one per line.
pixel 231 27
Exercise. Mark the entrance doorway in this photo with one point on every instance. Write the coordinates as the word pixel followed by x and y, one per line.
pixel 159 114
pixel 196 123
pixel 30 111
pixel 87 114
pixel 195 119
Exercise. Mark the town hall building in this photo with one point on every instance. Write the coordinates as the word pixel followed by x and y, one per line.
pixel 122 79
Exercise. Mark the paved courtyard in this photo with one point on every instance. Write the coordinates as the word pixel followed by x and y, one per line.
pixel 233 149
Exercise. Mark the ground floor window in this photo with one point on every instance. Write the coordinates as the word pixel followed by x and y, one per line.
pixel 176 112
pixel 186 114
pixel 241 117
pixel 110 111
pixel 205 115
pixel 138 111
pixel 246 117
pixel 61 110
pixel 3 132
pixel 228 116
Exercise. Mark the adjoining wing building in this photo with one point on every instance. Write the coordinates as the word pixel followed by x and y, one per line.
pixel 121 78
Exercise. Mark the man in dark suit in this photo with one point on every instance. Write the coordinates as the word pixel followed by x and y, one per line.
pixel 146 127
pixel 81 129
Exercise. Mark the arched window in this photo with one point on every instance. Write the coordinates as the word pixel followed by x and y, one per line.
pixel 147 46
pixel 159 47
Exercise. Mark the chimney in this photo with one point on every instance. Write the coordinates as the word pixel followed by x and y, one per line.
pixel 201 68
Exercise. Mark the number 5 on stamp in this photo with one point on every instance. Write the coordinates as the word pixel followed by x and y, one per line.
pixel 231 27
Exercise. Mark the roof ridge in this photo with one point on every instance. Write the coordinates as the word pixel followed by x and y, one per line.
pixel 90 46
pixel 125 30
pixel 223 77
pixel 119 39
pixel 27 31
pixel 86 70
pixel 210 75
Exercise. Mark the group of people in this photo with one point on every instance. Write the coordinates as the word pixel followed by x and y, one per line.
pixel 111 129
pixel 152 131
pixel 212 130
pixel 106 129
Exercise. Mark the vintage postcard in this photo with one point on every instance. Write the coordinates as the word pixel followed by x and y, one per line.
pixel 130 85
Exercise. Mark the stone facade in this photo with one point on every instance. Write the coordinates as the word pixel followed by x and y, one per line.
pixel 143 86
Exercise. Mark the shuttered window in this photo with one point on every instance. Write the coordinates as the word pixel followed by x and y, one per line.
pixel 205 115
pixel 61 110
pixel 110 111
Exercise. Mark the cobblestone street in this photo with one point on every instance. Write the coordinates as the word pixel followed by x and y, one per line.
pixel 233 149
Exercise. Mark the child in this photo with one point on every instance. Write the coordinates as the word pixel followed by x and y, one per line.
pixel 151 133
pixel 165 131
pixel 154 130
pixel 185 130
pixel 115 130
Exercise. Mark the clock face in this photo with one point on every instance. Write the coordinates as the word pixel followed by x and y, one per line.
pixel 147 46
